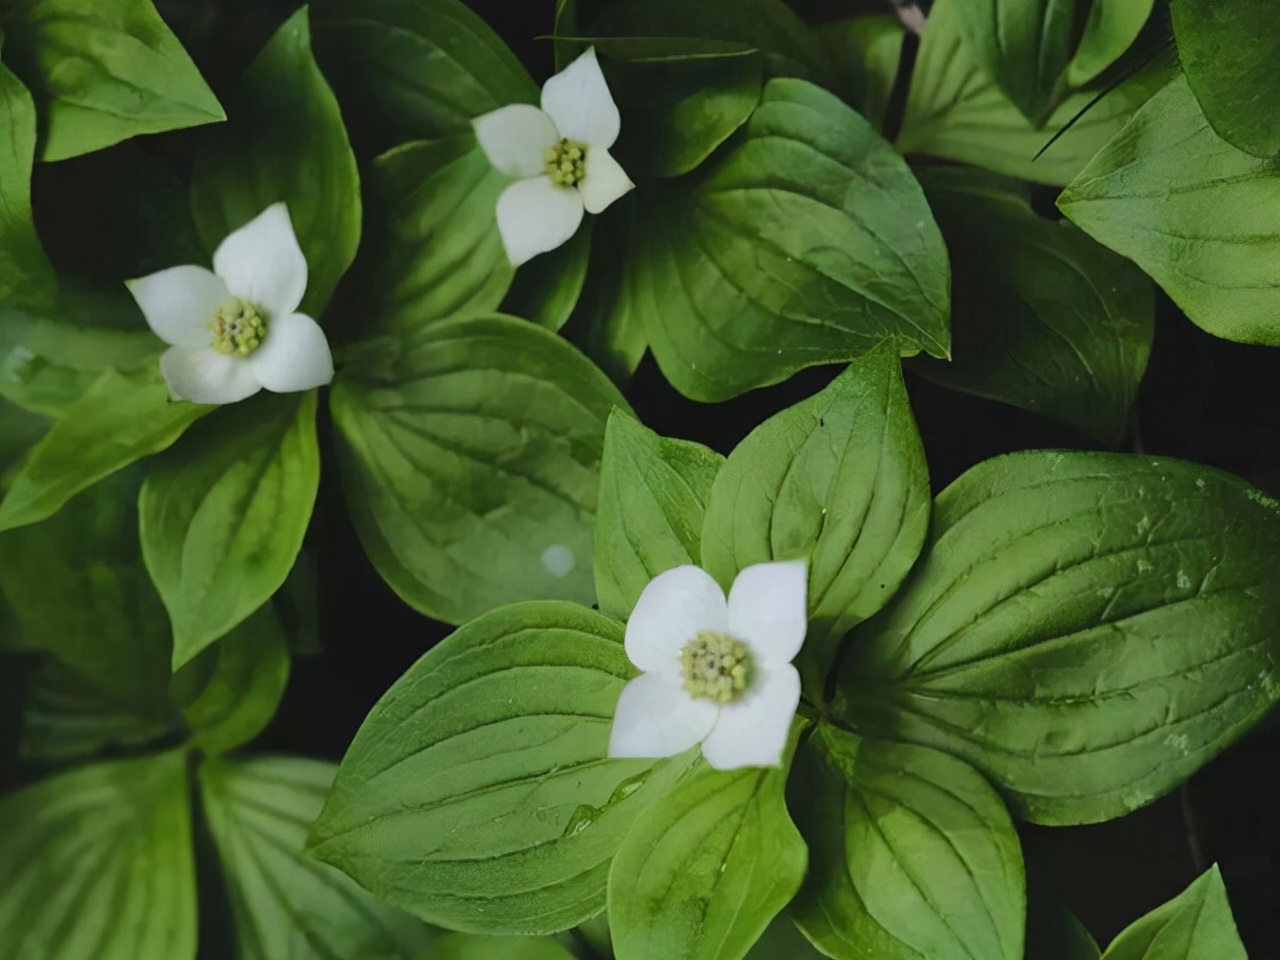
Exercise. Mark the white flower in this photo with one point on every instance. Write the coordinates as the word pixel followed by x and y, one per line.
pixel 234 331
pixel 561 155
pixel 714 672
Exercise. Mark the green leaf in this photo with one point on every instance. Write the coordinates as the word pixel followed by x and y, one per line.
pixel 809 243
pixel 477 794
pixel 78 585
pixel 1053 931
pixel 1043 316
pixel 1199 216
pixel 865 51
pixel 417 70
pixel 98 863
pixel 470 453
pixel 1195 925
pixel 223 514
pixel 285 141
pixel 121 418
pixel 1024 45
pixel 1229 53
pixel 474 946
pixel 230 693
pixel 1087 629
pixel 1111 29
pixel 653 494
pixel 955 111
pixel 839 478
pixel 912 853
pixel 707 866
pixel 105 71
pixel 546 289
pixel 284 904
pixel 782 941
pixel 612 333
pixel 25 272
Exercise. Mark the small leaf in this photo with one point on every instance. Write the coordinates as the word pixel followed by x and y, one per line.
pixel 283 903
pixel 912 853
pixel 470 451
pixel 1195 925
pixel 1111 29
pixel 865 51
pixel 1087 629
pixel 25 272
pixel 839 479
pixel 1199 216
pixel 223 514
pixel 653 494
pixel 285 141
pixel 98 863
pixel 477 794
pixel 706 867
pixel 105 71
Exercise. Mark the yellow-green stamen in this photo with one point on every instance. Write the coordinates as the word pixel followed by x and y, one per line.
pixel 566 162
pixel 716 667
pixel 238 328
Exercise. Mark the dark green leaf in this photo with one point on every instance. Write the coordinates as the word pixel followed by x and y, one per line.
pixel 810 243
pixel 1086 629
pixel 653 494
pixel 839 478
pixel 1198 215
pixel 477 793
pixel 913 855
pixel 706 867
pixel 105 71
pixel 285 141
pixel 546 289
pixel 223 514
pixel 98 863
pixel 284 903
pixel 1195 925
pixel 25 272
pixel 865 51
pixel 1112 27
pixel 1043 317
pixel 471 452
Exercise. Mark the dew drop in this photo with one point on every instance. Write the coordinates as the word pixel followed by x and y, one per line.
pixel 558 559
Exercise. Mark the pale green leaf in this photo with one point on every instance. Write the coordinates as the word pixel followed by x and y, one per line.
pixel 1195 925
pixel 1111 29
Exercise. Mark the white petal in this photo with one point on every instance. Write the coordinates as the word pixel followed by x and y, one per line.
pixel 204 375
pixel 261 262
pixel 515 137
pixel 672 608
pixel 603 181
pixel 578 100
pixel 767 609
pixel 180 303
pixel 294 356
pixel 535 216
pixel 752 732
pixel 656 718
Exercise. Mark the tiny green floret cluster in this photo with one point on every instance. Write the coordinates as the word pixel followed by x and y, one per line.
pixel 566 162
pixel 238 328
pixel 716 667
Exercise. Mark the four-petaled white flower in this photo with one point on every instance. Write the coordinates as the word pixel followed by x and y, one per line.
pixel 234 330
pixel 561 155
pixel 715 672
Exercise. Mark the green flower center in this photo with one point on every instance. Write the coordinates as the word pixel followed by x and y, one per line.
pixel 716 667
pixel 566 162
pixel 238 328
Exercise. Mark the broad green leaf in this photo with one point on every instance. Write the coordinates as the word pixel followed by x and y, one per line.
pixel 285 904
pixel 105 71
pixel 547 288
pixel 1195 925
pixel 865 51
pixel 78 584
pixel 839 479
pixel 912 853
pixel 1087 629
pixel 1024 45
pixel 230 693
pixel 285 141
pixel 1043 316
pixel 474 946
pixel 706 867
pixel 955 111
pixel 477 794
pixel 223 514
pixel 1229 53
pixel 1199 216
pixel 98 863
pixel 1111 29
pixel 809 243
pixel 120 418
pixel 470 451
pixel 416 70
pixel 653 494
pixel 25 272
